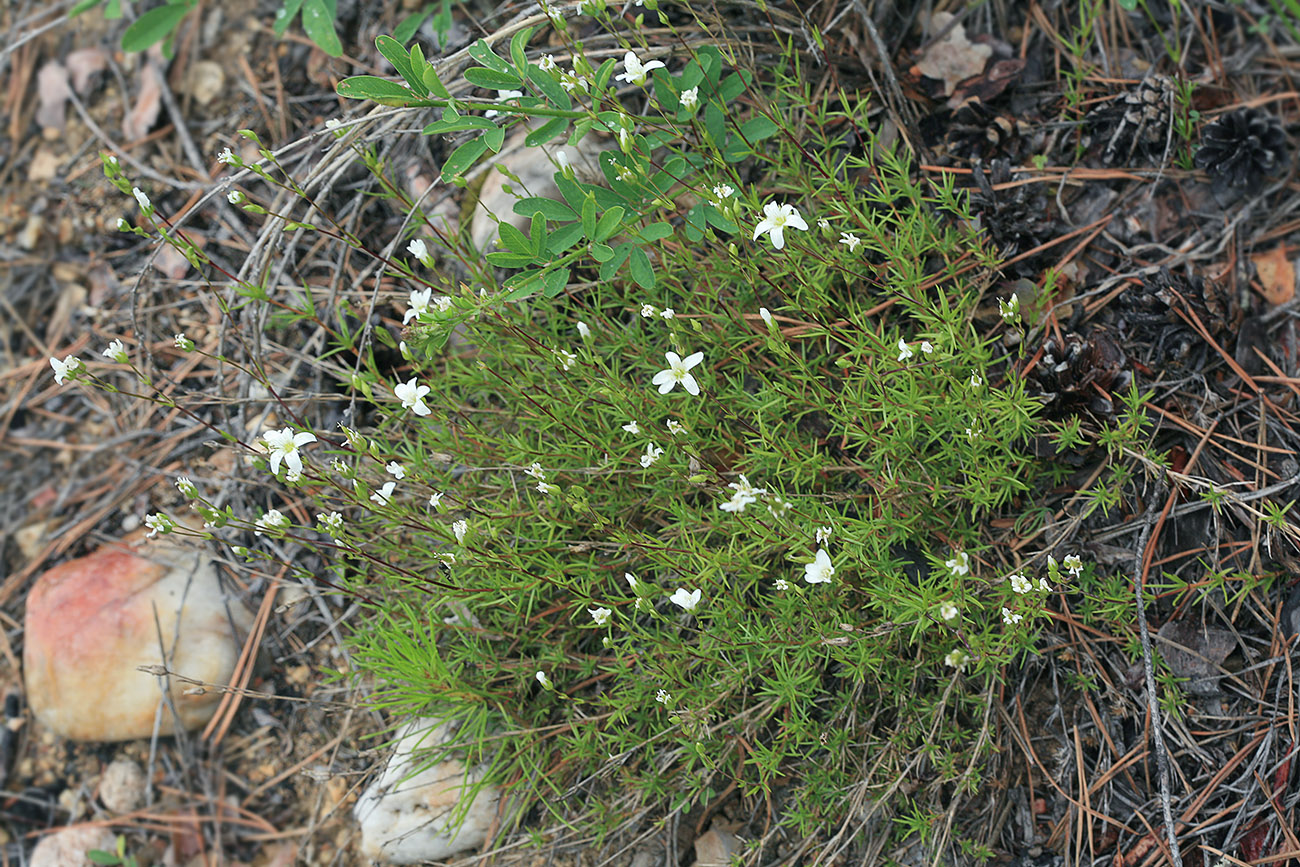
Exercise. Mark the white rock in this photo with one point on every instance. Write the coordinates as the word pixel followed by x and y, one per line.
pixel 404 818
pixel 68 847
pixel 122 786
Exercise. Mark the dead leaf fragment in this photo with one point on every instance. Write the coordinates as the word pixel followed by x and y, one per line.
pixel 954 58
pixel 84 63
pixel 1276 275
pixel 148 103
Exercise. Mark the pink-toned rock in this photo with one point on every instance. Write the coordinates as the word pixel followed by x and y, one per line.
pixel 90 624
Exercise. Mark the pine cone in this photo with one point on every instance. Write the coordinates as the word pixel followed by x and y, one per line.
pixel 1240 148
pixel 1012 216
pixel 1134 125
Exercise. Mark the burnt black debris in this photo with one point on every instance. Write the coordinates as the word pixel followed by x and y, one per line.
pixel 1240 149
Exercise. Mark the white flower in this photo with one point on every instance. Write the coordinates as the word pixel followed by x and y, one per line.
pixel 234 197
pixel 600 615
pixel 333 522
pixel 502 97
pixel 1009 309
pixel 583 330
pixel 926 347
pixel 648 311
pixel 1073 564
pixel 543 679
pixel 632 427
pixel 1044 586
pixel 739 500
pixel 1020 583
pixel 460 528
pixel 823 223
pixel 904 351
pixel 535 470
pixel 419 250
pixel 159 524
pixel 823 534
pixel 820 570
pixel 547 62
pixel 142 199
pixel 663 697
pixel 436 500
pixel 973 433
pixel 283 445
pixel 271 520
pixel 667 313
pixel 766 315
pixel 782 584
pixel 678 370
pixel 116 351
pixel 547 488
pixel 1010 618
pixel 566 358
pixel 850 240
pixel 948 612
pixel 226 157
pixel 411 394
pixel 675 427
pixel 776 219
pixel 975 381
pixel 652 454
pixel 183 343
pixel 186 487
pixel 395 470
pixel 333 123
pixel 959 564
pixel 443 303
pixel 384 494
pixel 684 598
pixel 631 580
pixel 123 225
pixel 637 71
pixel 690 98
pixel 562 159
pixel 956 658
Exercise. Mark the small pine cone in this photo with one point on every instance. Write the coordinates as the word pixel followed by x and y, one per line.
pixel 1240 148
pixel 1133 126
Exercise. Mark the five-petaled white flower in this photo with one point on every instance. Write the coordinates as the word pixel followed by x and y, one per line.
pixel 183 343
pixel 1010 618
pixel 395 470
pixel 782 584
pixel 584 330
pixel 186 487
pixel 632 427
pixel 678 370
pixel 566 358
pixel 663 696
pixel 384 494
pixel 778 218
pixel 547 62
pixel 948 612
pixel 648 310
pixel 745 494
pixel 159 524
pixel 411 394
pixel 420 300
pixel 850 240
pixel 1073 564
pixel 271 520
pixel 436 500
pixel 675 427
pixel 667 313
pixel 690 98
pixel 820 570
pixel 652 454
pixel 535 470
pixel 956 658
pixel 226 157
pixel 65 368
pixel 959 564
pixel 975 381
pixel 823 224
pixel 823 534
pixel 283 446
pixel 636 70
pixel 684 598
pixel 331 523
pixel 460 528
pixel 235 197
pixel 1020 583
pixel 926 347
pixel 600 615
pixel 547 488
pixel 904 351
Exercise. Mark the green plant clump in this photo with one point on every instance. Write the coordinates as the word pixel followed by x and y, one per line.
pixel 684 484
